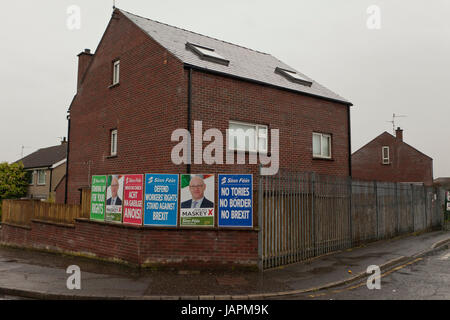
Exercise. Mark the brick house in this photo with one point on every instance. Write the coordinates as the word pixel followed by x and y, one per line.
pixel 443 182
pixel 389 158
pixel 47 167
pixel 147 79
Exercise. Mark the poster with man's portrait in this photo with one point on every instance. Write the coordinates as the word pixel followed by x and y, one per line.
pixel 197 200
pixel 114 198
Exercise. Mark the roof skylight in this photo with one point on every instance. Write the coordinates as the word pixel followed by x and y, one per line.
pixel 207 53
pixel 293 76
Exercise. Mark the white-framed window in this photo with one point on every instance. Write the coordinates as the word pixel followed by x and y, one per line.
pixel 206 53
pixel 293 76
pixel 116 72
pixel 321 145
pixel 41 177
pixel 247 137
pixel 385 155
pixel 114 142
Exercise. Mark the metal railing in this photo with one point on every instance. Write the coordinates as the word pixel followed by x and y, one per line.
pixel 304 215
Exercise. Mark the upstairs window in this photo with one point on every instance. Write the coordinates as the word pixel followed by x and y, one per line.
pixel 247 137
pixel 321 145
pixel 114 142
pixel 41 177
pixel 206 53
pixel 293 76
pixel 30 176
pixel 385 155
pixel 116 72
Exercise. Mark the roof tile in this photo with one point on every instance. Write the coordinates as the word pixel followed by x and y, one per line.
pixel 244 63
pixel 45 157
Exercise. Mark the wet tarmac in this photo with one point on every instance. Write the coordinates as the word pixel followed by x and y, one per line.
pixel 43 271
pixel 425 279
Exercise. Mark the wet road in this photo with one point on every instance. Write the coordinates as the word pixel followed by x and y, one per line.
pixel 36 271
pixel 426 279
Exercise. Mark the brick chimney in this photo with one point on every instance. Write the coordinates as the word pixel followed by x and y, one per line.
pixel 399 134
pixel 84 58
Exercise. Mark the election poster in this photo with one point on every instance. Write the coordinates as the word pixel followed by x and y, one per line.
pixel 132 198
pixel 197 200
pixel 161 200
pixel 448 201
pixel 98 188
pixel 114 196
pixel 235 200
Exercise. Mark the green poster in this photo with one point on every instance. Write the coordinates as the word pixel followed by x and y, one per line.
pixel 98 189
pixel 197 200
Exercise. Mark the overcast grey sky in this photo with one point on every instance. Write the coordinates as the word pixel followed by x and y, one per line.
pixel 402 68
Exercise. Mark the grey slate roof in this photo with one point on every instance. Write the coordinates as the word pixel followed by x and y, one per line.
pixel 45 157
pixel 244 63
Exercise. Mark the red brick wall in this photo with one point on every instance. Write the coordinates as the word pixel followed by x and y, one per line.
pixel 151 102
pixel 146 107
pixel 407 164
pixel 217 99
pixel 19 236
pixel 143 246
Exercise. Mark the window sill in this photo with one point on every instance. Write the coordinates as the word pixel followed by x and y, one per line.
pixel 112 156
pixel 249 152
pixel 323 158
pixel 114 85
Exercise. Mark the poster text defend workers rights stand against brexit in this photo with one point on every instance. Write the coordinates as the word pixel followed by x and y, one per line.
pixel 98 188
pixel 235 200
pixel 132 199
pixel 161 200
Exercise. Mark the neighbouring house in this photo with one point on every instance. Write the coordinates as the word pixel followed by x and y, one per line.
pixel 47 167
pixel 443 182
pixel 147 79
pixel 389 158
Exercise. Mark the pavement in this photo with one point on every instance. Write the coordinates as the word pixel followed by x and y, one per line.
pixel 42 275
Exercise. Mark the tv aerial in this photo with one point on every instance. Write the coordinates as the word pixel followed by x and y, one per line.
pixel 21 153
pixel 394 116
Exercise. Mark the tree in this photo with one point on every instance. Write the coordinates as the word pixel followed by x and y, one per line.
pixel 13 181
